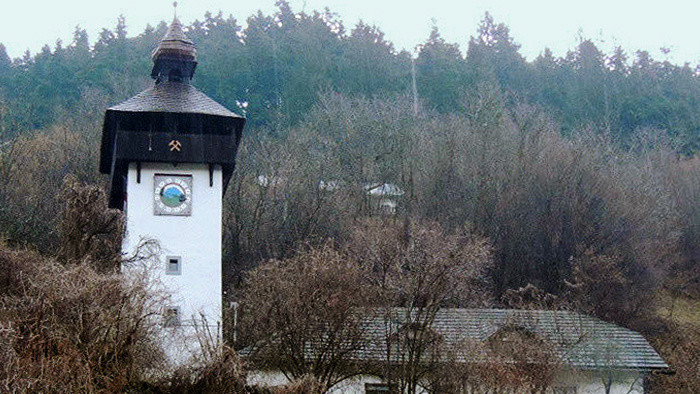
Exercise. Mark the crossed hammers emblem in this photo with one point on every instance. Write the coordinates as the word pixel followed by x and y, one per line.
pixel 175 145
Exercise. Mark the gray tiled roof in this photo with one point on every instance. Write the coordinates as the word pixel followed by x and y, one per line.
pixel 173 97
pixel 578 340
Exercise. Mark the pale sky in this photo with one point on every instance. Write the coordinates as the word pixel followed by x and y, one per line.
pixel 535 24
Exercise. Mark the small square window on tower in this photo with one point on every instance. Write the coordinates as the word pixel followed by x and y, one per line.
pixel 173 265
pixel 171 316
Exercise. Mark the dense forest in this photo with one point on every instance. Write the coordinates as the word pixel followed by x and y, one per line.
pixel 581 171
pixel 274 68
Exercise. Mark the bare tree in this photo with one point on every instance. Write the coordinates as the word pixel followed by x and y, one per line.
pixel 89 229
pixel 33 167
pixel 300 314
pixel 599 286
pixel 417 269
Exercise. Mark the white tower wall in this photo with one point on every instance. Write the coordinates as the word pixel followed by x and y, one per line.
pixel 196 239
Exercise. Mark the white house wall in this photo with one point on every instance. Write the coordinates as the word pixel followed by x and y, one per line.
pixel 624 382
pixel 354 385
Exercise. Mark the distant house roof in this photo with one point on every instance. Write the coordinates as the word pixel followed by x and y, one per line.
pixel 329 186
pixel 274 181
pixel 578 340
pixel 173 97
pixel 383 189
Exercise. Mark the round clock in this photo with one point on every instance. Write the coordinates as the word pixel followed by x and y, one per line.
pixel 173 194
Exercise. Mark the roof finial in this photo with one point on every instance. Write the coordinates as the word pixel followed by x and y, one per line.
pixel 175 8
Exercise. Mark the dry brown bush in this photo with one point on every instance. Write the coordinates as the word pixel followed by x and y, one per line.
pixel 303 313
pixel 679 345
pixel 420 264
pixel 305 385
pixel 69 328
pixel 222 372
pixel 72 329
pixel 530 297
pixel 683 177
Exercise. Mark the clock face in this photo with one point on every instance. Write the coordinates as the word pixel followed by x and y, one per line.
pixel 172 195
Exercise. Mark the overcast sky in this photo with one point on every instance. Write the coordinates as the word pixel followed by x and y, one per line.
pixel 535 24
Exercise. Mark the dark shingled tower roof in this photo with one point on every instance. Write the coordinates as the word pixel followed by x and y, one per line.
pixel 173 97
pixel 174 52
pixel 140 128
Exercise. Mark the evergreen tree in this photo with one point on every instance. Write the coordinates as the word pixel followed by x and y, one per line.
pixel 493 54
pixel 440 73
pixel 586 85
pixel 5 61
pixel 369 64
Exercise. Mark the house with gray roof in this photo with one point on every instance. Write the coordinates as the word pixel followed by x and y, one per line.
pixel 581 354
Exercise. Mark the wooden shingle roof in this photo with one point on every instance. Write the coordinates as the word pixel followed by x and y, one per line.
pixel 175 44
pixel 173 97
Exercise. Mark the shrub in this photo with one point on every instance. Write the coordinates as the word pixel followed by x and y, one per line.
pixel 305 385
pixel 222 373
pixel 71 328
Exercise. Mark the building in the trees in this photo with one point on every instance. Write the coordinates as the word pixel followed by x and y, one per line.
pixel 383 198
pixel 489 351
pixel 170 153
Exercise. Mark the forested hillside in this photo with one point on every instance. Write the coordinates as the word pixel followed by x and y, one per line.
pixel 275 67
pixel 582 172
